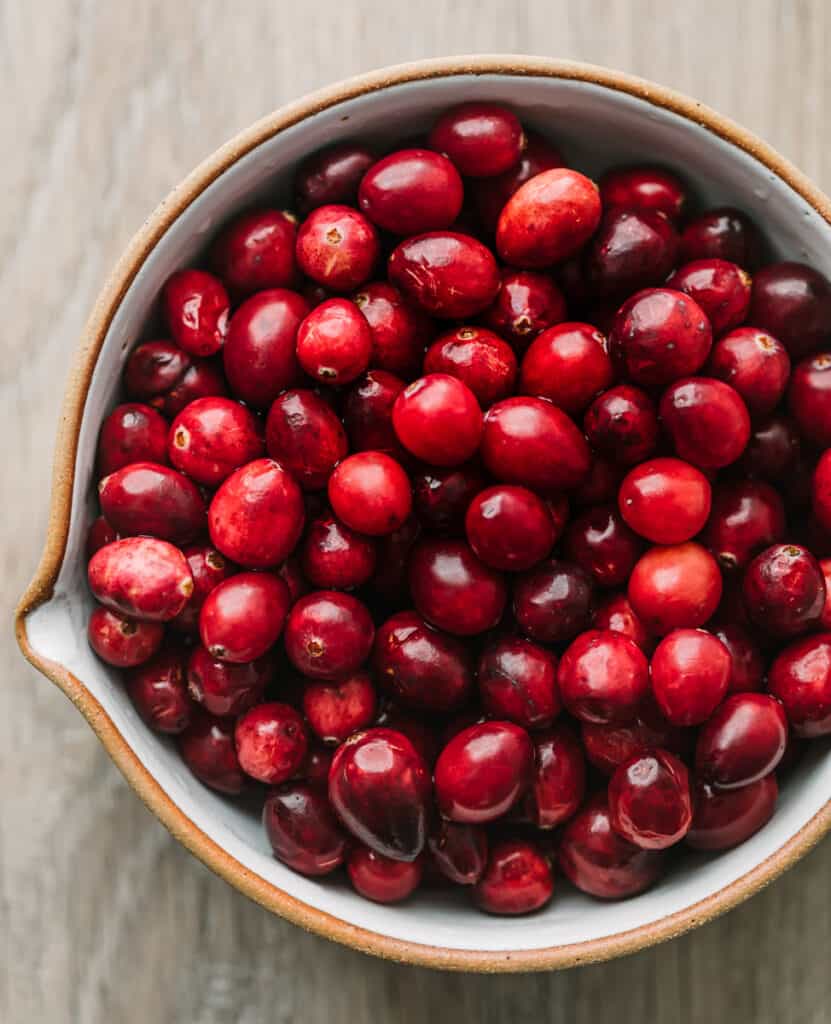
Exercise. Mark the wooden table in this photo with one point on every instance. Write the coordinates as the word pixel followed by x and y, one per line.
pixel 104 107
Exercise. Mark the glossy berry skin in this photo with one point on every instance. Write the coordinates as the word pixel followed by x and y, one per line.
pixel 271 742
pixel 367 413
pixel 334 342
pixel 755 364
pixel 603 677
pixel 600 862
pixel 722 233
pixel 793 302
pixel 483 771
pixel 141 577
pixel 420 666
pixel 567 364
pixel 607 746
pixel 801 678
pixel 380 878
pixel 665 500
pixel 622 424
pixel 259 354
pixel 302 829
pixel 707 421
pixel 548 219
pixel 122 641
pixel 337 247
pixel 690 674
pixel 784 590
pixel 243 616
pixel 747 666
pixel 552 602
pixel 526 304
pixel 821 491
pixel 207 748
pixel 453 590
pixel 447 274
pixel 743 741
pixel 212 437
pixel 517 880
pixel 809 399
pixel 659 335
pixel 643 188
pixel 328 634
pixel 99 534
pixel 441 497
pixel 306 437
pixel 400 330
pixel 482 139
pixel 195 306
pixel 509 528
pixel 747 516
pixel 631 249
pixel 132 432
pixel 649 800
pixel 146 498
pixel 379 786
pixel 559 777
pixel 392 561
pixel 616 613
pixel 518 683
pixel 773 451
pixel 411 191
pixel 336 709
pixel 331 176
pixel 438 419
pixel 723 819
pixel 167 378
pixel 600 542
pixel 371 493
pixel 256 516
pixel 530 442
pixel 334 557
pixel 477 357
pixel 460 852
pixel 491 194
pixel 825 618
pixel 159 693
pixel 675 587
pixel 256 251
pixel 601 484
pixel 721 289
pixel 223 688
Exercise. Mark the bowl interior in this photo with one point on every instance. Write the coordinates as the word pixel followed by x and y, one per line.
pixel 596 126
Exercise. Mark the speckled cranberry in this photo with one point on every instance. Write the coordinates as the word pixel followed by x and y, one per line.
pixel 331 176
pixel 707 421
pixel 159 692
pixel 747 666
pixel 460 852
pixel 509 527
pixel 793 302
pixel 665 500
pixel 335 709
pixel 302 829
pixel 123 641
pixel 518 879
pixel 133 432
pixel 722 233
pixel 552 602
pixel 600 542
pixel 622 424
pixel 675 587
pixel 723 819
pixel 223 688
pixel 334 557
pixel 411 191
pixel 256 251
pixel 306 437
pixel 721 289
pixel 100 534
pixel 518 683
pixel 271 741
pixel 526 304
pixel 649 800
pixel 334 342
pixel 801 678
pixel 631 249
pixel 146 498
pixel 690 672
pixel 367 412
pixel 212 437
pixel 490 194
pixel 477 357
pixel 441 497
pixel 370 492
pixel 643 188
pixel 773 451
pixel 603 677
pixel 809 399
pixel 243 616
pixel 755 364
pixel 453 589
pixel 328 634
pixel 195 307
pixel 382 879
pixel 747 516
pixel 438 419
pixel 482 139
pixel 337 247
pixel 207 748
pixel 784 590
pixel 142 577
pixel 567 364
pixel 400 330
pixel 616 613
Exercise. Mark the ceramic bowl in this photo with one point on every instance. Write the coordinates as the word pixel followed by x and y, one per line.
pixel 598 117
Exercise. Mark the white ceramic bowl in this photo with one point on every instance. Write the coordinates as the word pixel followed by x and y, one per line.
pixel 598 117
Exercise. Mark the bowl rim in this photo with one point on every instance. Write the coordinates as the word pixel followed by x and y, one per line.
pixel 41 588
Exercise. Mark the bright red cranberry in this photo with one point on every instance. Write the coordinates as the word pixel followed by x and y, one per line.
pixel 665 500
pixel 599 862
pixel 607 746
pixel 223 688
pixel 335 557
pixel 675 587
pixel 441 497
pixel 131 433
pixel 649 800
pixel 306 437
pixel 567 364
pixel 721 289
pixel 643 188
pixel 801 678
pixel 821 491
pixel 122 641
pixel 793 302
pixel 411 191
pixel 142 577
pixel 196 306
pixel 518 682
pixel 271 742
pixel 337 247
pixel 631 249
pixel 421 666
pixel 367 412
pixel 370 492
pixel 526 304
pixel 616 613
pixel 331 176
pixel 491 194
pixel 302 829
pixel 825 618
pixel 99 535
pixel 158 690
pixel 337 709
pixel 438 419
pixel 706 420
pixel 773 451
pixel 559 779
pixel 747 666
pixel 334 342
pixel 259 354
pixel 256 516
pixel 207 748
pixel 509 527
pixel 212 437
pixel 743 741
pixel 146 498
pixel 381 879
pixel 746 517
pixel 722 233
pixel 809 399
pixel 601 543
pixel 243 616
pixel 552 603
pixel 328 634
pixel 622 424
pixel 784 590
pixel 548 219
pixel 447 274
pixel 690 675
pixel 453 590
pixel 400 330
pixel 208 569
pixel 256 251
pixel 517 880
pixel 603 677
pixel 659 335
pixel 722 819
pixel 482 139
pixel 483 771
pixel 460 852
pixel 755 364
pixel 478 358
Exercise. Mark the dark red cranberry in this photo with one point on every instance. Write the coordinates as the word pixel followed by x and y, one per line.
pixel 460 852
pixel 225 689
pixel 821 491
pixel 601 485
pixel 601 543
pixel 491 194
pixel 243 616
pixel 331 176
pixel 616 613
pixel 526 304
pixel 337 247
pixel 146 498
pixel 825 618
pixel 559 778
pixel 552 603
pixel 418 732
pixel 382 879
pixel 649 800
pixel 304 434
pixel 212 437
pixel 195 306
pixel 509 528
pixel 335 557
pixel 773 451
pixel 441 497
pixel 665 500
pixel 131 433
pixel 567 364
pixel 337 709
pixel 722 233
pixel 603 677
pixel 256 251
pixel 202 379
pixel 809 399
pixel 721 289
pixel 453 590
pixel 608 746
pixel 517 880
pixel 746 517
pixel 328 634
pixel 400 330
pixel 477 357
pixel 690 672
pixel 747 666
pixel 271 741
pixel 631 249
pixel 801 678
pixel 393 559
pixel 153 370
pixel 207 748
pixel 482 139
pixel 158 691
pixel 675 587
pixel 518 682
pixel 784 590
pixel 367 413
pixel 302 829
pixel 706 420
pixel 370 492
pixel 411 191
pixel 122 641
pixel 755 364
pixel 99 535
pixel 793 302
pixel 722 819
pixel 622 424
pixel 208 569
pixel 317 764
pixel 743 741
pixel 643 188
pixel 438 419
pixel 141 577
pixel 334 342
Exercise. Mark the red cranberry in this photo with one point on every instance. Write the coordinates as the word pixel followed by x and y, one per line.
pixel 649 800
pixel 509 528
pixel 271 742
pixel 380 878
pixel 153 370
pixel 602 484
pixel 809 399
pixel 447 274
pixel 518 682
pixel 202 379
pixel 453 590
pixel 517 880
pixel 568 365
pixel 337 709
pixel 559 779
pixel 548 219
pixel 122 641
pixel 317 764
pixel 223 688
pixel 747 667
pixel 157 689
pixel 599 862
pixel 622 424
pixel 747 516
pixel 302 829
pixel 460 852
pixel 393 559
pixel 801 678
pixel 675 587
pixel 259 354
pixel 552 603
pixel 419 733
pixel 722 819
pixel 243 616
pixel 337 247
pixel 603 677
pixel 400 330
pixel 441 497
pixel 482 139
pixel 722 233
pixel 478 358
pixel 367 413
pixel 665 500
pixel 707 421
pixel 643 188
pixel 690 675
pixel 483 771
pixel 212 437
pixel 755 364
pixel 825 618
pixel 659 335
pixel 742 742
pixel 196 306
pixel 438 419
pixel 256 251
pixel 131 433
pixel 147 498
pixel 616 613
pixel 821 491
pixel 490 194
pixel 335 557
pixel 773 451
pixel 331 176
pixel 99 535
pixel 608 746
pixel 303 434
pixel 410 191
pixel 328 634
pixel 793 302
pixel 370 492
pixel 721 289
pixel 525 304
pixel 603 545
pixel 334 342
pixel 207 748
pixel 208 569
pixel 784 590
pixel 142 577
pixel 422 667
pixel 632 249
pixel 256 516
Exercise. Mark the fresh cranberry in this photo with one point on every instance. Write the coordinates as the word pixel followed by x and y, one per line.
pixel 256 251
pixel 207 748
pixel 334 557
pixel 665 500
pixel 601 485
pixel 722 233
pixel 478 358
pixel 302 829
pixel 742 742
pixel 438 419
pixel 441 497
pixel 460 852
pixel 568 365
pixel 746 517
pixel 153 370
pixel 146 498
pixel 122 641
pixel 393 560
pixel 809 399
pixel 99 535
pixel 801 678
pixel 616 613
pixel 158 691
pixel 453 590
pixel 328 634
pixel 723 819
pixel 784 590
pixel 306 437
pixel 418 731
pixel 131 433
pixel 675 587
pixel 706 420
pixel 825 618
pixel 721 289
pixel 208 569
pixel 747 666
pixel 382 879
pixel 518 682
pixel 559 778
pixel 400 330
pixel 482 139
pixel 490 194
pixel 773 451
pixel 601 543
pixel 603 677
pixel 821 491
pixel 509 527
pixel 337 247
pixel 212 437
pixel 243 616
pixel 690 674
pixel 370 492
pixel 223 688
pixel 643 188
pixel 649 800
pixel 622 424
pixel 548 219
pixel 517 880
pixel 631 249
pixel 271 742
pixel 411 191
pixel 793 302
pixel 196 306
pixel 552 602
pixel 334 342
pixel 526 304
pixel 331 176
pixel 337 709
pixel 755 364
pixel 142 577
pixel 316 767
pixel 367 413
pixel 607 746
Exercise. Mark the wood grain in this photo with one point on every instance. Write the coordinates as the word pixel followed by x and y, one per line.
pixel 105 107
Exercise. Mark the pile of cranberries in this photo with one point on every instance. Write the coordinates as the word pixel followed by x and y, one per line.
pixel 480 512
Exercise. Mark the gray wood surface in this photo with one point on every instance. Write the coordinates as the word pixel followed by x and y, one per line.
pixel 104 107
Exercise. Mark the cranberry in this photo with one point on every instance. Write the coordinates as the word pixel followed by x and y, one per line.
pixel 337 247
pixel 517 880
pixel 122 641
pixel 690 675
pixel 421 666
pixel 305 436
pixel 616 613
pixel 153 370
pixel 559 778
pixel 825 618
pixel 259 354
pixel 256 251
pixel 773 451
pixel 808 399
pixel 337 709
pixel 742 742
pixel 603 545
pixel 598 861
pixel 649 800
pixel 446 273
pixel 334 342
pixel 622 424
pixel 632 249
pixel 755 364
pixel 367 413
pixel 509 528
pixel 256 516
pixel 784 590
pixel 328 634
pixel 381 879
pixel 335 557
pixel 271 742
pixel 568 365
pixel 142 577
pixel 482 139
pixel 147 498
pixel 801 678
pixel 659 335
pixel 675 587
pixel 722 819
pixel 525 304
pixel 552 602
pixel 400 330
pixel 608 746
pixel 793 302
pixel 212 437
pixel 99 535
pixel 207 748
pixel 223 688
pixel 331 176
pixel 418 732
pixel 158 691
pixel 393 560
pixel 707 421
pixel 131 433
pixel 317 764
pixel 438 419
pixel 490 194
pixel 548 219
pixel 453 590
pixel 821 491
pixel 483 771
pixel 518 682
pixel 410 191
pixel 196 307
pixel 478 358
pixel 747 516
pixel 665 500
pixel 601 485
pixel 721 289
pixel 370 492
pixel 302 829
pixel 747 667
pixel 243 616
pixel 441 497
pixel 460 852
pixel 603 677
pixel 643 188
pixel 722 233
